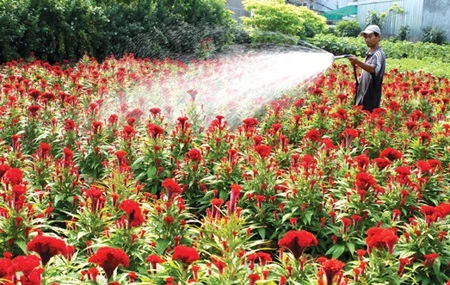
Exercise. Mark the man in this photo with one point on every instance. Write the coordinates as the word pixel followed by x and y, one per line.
pixel 370 82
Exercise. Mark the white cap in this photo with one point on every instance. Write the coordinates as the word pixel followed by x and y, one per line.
pixel 371 29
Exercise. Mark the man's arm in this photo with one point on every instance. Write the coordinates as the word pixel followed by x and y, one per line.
pixel 367 67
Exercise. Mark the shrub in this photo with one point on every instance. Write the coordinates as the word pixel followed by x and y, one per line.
pixel 54 30
pixel 403 34
pixel 433 35
pixel 12 20
pixel 348 28
pixel 276 16
pixel 313 23
pixel 273 16
pixel 392 48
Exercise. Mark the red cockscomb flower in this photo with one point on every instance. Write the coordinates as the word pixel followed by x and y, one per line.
pixel 313 135
pixel 109 258
pixel 154 131
pixel 364 180
pixel 382 162
pixel 330 267
pixel 185 254
pixel 430 258
pixel 391 154
pixel 263 150
pixel 171 187
pixel 3 169
pixel 297 241
pixel 13 176
pixel 194 154
pixel 249 123
pixel 154 259
pixel 133 211
pixel 5 264
pixel 47 247
pixel 234 196
pixel 381 238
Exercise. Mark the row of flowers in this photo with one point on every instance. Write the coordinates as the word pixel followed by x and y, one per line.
pixel 314 191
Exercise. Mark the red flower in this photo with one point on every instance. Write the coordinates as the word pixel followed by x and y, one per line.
pixel 381 238
pixel 194 155
pixel 443 209
pixel 44 150
pixel 169 220
pixel 155 111
pixel 249 123
pixel 5 264
pixel 13 176
pixel 350 133
pixel 430 258
pixel 154 131
pixel 69 125
pixel 263 150
pixel 330 267
pixel 391 154
pixel 220 264
pixel 47 247
pixel 68 156
pixel 3 169
pixel 171 187
pixel 253 278
pixel 362 161
pixel 154 259
pixel 297 242
pixel 185 254
pixel 133 211
pixel 364 181
pixel 109 258
pixel 234 196
pixel 424 137
pixel 313 135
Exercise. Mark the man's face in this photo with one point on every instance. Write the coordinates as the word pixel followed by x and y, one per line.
pixel 371 40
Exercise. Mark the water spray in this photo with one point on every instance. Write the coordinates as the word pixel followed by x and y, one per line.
pixel 235 83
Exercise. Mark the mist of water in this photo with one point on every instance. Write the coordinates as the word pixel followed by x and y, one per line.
pixel 235 84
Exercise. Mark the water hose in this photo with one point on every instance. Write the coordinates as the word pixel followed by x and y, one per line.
pixel 354 72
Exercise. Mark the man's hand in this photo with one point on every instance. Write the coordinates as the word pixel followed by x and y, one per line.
pixel 353 60
pixel 356 62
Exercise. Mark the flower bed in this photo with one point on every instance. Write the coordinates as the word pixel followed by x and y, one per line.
pixel 315 191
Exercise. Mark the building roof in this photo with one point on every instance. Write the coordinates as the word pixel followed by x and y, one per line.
pixel 338 14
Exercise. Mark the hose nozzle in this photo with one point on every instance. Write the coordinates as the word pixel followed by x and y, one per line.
pixel 342 56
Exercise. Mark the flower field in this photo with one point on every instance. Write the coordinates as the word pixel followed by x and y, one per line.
pixel 311 191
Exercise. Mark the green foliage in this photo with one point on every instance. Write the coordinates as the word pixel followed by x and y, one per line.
pixel 403 34
pixel 375 18
pixel 54 30
pixel 348 28
pixel 313 23
pixel 436 67
pixel 12 17
pixel 273 16
pixel 277 17
pixel 433 35
pixel 392 48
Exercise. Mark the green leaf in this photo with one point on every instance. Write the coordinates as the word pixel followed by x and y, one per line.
pixel 161 245
pixel 21 244
pixel 351 247
pixel 308 216
pixel 336 250
pixel 262 233
pixel 151 171
pixel 437 268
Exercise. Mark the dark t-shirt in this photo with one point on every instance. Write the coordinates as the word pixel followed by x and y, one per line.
pixel 370 84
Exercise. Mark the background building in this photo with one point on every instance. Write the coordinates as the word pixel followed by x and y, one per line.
pixel 418 14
